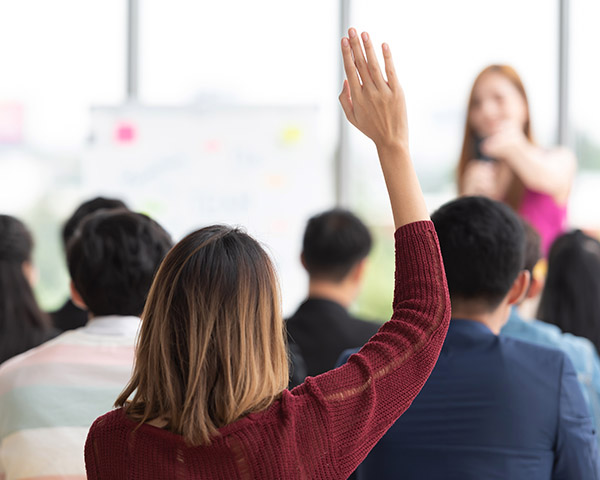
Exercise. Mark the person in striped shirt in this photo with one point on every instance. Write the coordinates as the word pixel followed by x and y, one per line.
pixel 50 395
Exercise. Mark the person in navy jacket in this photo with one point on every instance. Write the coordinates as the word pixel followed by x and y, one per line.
pixel 493 407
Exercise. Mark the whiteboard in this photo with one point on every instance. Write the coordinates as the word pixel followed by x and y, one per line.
pixel 264 168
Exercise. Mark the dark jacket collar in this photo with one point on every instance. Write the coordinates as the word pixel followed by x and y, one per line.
pixel 323 304
pixel 464 325
pixel 463 333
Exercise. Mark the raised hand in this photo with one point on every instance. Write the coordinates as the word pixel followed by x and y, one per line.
pixel 377 108
pixel 373 105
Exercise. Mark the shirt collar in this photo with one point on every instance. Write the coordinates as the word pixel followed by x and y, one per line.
pixel 466 325
pixel 322 302
pixel 113 325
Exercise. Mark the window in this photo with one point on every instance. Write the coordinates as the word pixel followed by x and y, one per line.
pixel 59 58
pixel 439 47
pixel 584 102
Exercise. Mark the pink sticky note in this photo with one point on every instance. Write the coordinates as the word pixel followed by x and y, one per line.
pixel 125 133
pixel 11 122
pixel 212 145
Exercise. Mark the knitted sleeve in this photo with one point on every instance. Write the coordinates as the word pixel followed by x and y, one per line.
pixel 350 408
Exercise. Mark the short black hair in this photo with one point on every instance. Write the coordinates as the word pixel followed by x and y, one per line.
pixel 533 247
pixel 87 207
pixel 112 259
pixel 334 242
pixel 483 244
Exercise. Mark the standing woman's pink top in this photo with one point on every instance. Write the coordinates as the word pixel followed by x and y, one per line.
pixel 323 428
pixel 545 215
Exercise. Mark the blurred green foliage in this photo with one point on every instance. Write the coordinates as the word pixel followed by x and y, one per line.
pixel 587 151
pixel 52 288
pixel 375 301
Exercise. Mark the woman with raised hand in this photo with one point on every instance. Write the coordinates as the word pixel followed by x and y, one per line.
pixel 501 160
pixel 22 324
pixel 207 398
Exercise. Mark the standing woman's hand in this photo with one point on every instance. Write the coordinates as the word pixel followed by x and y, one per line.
pixel 507 144
pixel 544 171
pixel 377 108
pixel 481 178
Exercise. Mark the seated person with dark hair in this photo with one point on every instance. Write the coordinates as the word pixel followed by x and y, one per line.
pixel 50 395
pixel 70 316
pixel 493 407
pixel 334 251
pixel 580 350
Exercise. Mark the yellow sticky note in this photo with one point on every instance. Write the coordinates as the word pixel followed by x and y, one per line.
pixel 291 135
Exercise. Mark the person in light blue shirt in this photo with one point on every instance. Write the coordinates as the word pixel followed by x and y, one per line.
pixel 581 351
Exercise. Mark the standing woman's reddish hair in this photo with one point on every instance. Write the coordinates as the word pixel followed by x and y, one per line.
pixel 469 147
pixel 211 347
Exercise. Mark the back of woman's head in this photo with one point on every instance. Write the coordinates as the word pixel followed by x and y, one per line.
pixel 571 297
pixel 211 347
pixel 16 243
pixel 22 324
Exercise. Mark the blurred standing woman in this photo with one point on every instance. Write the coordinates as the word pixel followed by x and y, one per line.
pixel 500 159
pixel 22 324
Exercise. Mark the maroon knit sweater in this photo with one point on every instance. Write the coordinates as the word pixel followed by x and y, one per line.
pixel 321 429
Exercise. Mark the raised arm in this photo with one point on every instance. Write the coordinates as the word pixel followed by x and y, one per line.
pixel 378 109
pixel 345 411
pixel 545 171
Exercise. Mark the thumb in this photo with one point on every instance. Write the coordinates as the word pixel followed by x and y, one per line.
pixel 346 102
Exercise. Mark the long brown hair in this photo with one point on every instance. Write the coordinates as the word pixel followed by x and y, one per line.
pixel 469 147
pixel 212 345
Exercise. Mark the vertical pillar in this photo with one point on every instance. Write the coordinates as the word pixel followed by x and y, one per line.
pixel 563 133
pixel 132 67
pixel 341 175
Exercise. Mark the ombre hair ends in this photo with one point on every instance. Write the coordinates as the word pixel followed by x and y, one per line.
pixel 211 348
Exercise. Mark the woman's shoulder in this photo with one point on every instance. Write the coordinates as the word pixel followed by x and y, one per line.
pixel 116 427
pixel 110 420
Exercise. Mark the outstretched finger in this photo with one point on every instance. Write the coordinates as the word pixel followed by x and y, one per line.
pixel 390 71
pixel 373 64
pixel 349 66
pixel 359 58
